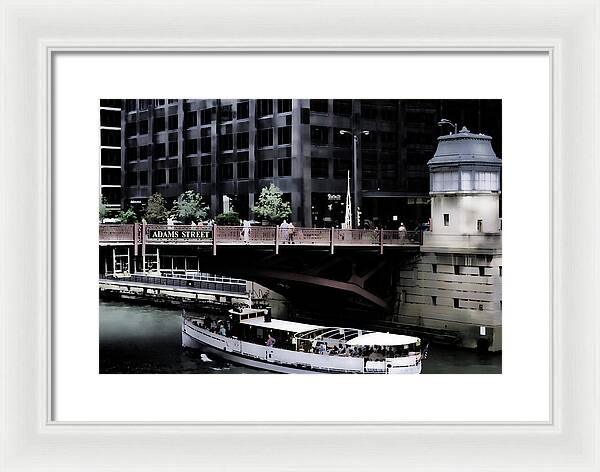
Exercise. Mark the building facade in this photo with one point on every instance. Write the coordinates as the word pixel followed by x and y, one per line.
pixel 229 149
pixel 111 166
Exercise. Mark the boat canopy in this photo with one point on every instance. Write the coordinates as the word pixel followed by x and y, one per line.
pixel 382 339
pixel 282 325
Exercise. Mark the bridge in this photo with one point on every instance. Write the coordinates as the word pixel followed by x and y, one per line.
pixel 274 236
pixel 340 269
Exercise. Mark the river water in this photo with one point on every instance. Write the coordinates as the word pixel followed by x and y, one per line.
pixel 144 339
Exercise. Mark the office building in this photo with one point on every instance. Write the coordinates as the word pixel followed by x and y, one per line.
pixel 229 149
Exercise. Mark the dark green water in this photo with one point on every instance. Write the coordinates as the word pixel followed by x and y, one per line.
pixel 144 339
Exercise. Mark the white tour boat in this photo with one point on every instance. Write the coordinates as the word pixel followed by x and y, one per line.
pixel 251 337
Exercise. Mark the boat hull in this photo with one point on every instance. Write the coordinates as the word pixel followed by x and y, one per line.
pixel 219 346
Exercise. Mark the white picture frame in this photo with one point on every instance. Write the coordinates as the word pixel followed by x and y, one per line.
pixel 568 30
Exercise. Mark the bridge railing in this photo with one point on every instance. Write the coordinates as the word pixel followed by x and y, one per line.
pixel 241 234
pixel 267 235
pixel 116 232
pixel 319 236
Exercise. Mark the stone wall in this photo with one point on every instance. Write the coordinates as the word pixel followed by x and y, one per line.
pixel 454 292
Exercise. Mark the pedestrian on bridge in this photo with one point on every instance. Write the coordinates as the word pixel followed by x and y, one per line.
pixel 402 232
pixel 246 231
pixel 284 230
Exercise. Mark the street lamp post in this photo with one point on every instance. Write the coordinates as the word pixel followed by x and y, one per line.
pixel 445 121
pixel 355 170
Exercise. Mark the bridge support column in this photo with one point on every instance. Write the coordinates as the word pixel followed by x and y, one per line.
pixel 277 239
pixel 381 241
pixel 144 246
pixel 214 239
pixel 331 241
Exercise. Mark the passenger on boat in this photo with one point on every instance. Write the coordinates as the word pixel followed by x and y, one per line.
pixel 207 322
pixel 213 326
pixel 222 330
pixel 376 355
pixel 270 341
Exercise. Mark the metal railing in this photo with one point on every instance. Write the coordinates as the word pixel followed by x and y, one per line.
pixel 255 235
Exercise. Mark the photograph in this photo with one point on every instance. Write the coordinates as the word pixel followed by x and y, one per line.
pixel 319 236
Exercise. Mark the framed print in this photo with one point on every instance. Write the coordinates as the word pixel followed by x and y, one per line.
pixel 395 195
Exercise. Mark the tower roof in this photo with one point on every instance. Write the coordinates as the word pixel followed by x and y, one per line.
pixel 464 147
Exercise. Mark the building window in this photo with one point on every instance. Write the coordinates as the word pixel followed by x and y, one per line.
pixel 160 176
pixel 264 137
pixel 265 169
pixel 305 116
pixel 205 174
pixel 434 268
pixel 446 219
pixel 144 151
pixel 173 176
pixel 319 106
pixel 226 142
pixel 284 167
pixel 456 303
pixel 433 300
pixel 226 171
pixel 205 144
pixel 445 181
pixel 456 270
pixel 132 178
pixel 342 107
pixel 284 106
pixel 159 151
pixel 190 174
pixel 341 168
pixel 284 135
pixel 173 122
pixel 243 140
pixel 131 129
pixel 480 307
pixel 190 146
pixel 143 127
pixel 144 177
pixel 264 108
pixel 319 168
pixel 368 111
pixel 500 271
pixel 143 104
pixel 243 110
pixel 319 135
pixel 159 124
pixel 131 154
pixel 110 157
pixel 481 271
pixel 227 113
pixel 479 226
pixel 173 148
pixel 242 170
pixel 190 119
pixel 206 116
pixel 110 137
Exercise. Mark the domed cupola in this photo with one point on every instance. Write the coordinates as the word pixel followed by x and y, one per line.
pixel 464 162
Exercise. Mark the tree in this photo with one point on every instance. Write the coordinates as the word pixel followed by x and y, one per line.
pixel 271 206
pixel 102 209
pixel 128 216
pixel 189 207
pixel 230 218
pixel 156 209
